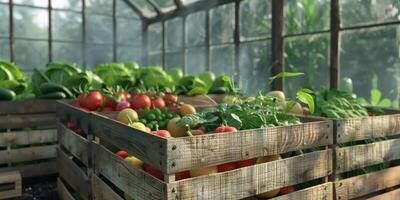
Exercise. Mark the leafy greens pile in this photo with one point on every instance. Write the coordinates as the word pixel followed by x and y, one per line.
pixel 11 78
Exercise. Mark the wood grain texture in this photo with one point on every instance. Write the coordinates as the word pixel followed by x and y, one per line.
pixel 28 121
pixel 353 157
pixel 135 182
pixel 28 137
pixel 249 181
pixel 210 149
pixel 202 100
pixel 74 176
pixel 392 195
pixel 63 192
pixel 101 191
pixel 368 183
pixel 146 147
pixel 27 107
pixel 13 178
pixel 75 144
pixel 78 116
pixel 319 192
pixel 28 154
pixel 367 127
pixel 32 170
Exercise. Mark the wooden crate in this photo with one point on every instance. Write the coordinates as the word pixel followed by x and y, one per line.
pixel 28 137
pixel 63 191
pixel 356 155
pixel 69 113
pixel 203 100
pixel 10 185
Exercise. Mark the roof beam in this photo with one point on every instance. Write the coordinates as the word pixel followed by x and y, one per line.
pixel 136 10
pixel 154 5
pixel 178 4
pixel 191 8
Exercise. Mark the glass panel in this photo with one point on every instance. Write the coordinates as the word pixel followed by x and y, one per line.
pixel 31 22
pixel 129 54
pixel 185 2
pixel 129 31
pixel 303 16
pixel 174 35
pixel 310 55
pixel 5 1
pixel 196 29
pixel 99 29
pixel 222 24
pixel 196 60
pixel 356 12
pixel 165 5
pixel 31 54
pixel 99 6
pixel 155 37
pixel 5 49
pixel 255 19
pixel 254 67
pixel 66 25
pixel 67 4
pixel 145 7
pixel 5 18
pixel 370 57
pixel 174 60
pixel 98 54
pixel 123 10
pixel 222 60
pixel 67 52
pixel 41 3
pixel 155 59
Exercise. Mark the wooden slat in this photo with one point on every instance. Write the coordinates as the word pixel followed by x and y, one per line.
pixel 13 178
pixel 367 127
pixel 202 100
pixel 392 195
pixel 28 154
pixel 368 183
pixel 27 107
pixel 101 191
pixel 194 152
pixel 139 185
pixel 63 192
pixel 28 137
pixel 249 181
pixel 323 191
pixel 32 170
pixel 73 175
pixel 148 148
pixel 75 144
pixel 28 121
pixel 78 116
pixel 353 157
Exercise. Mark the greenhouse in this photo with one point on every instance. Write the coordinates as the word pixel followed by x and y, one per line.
pixel 200 99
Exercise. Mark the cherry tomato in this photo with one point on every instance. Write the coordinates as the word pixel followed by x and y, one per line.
pixel 161 133
pixel 123 154
pixel 170 98
pixel 224 129
pixel 140 102
pixel 226 167
pixel 182 175
pixel 246 163
pixel 153 171
pixel 158 103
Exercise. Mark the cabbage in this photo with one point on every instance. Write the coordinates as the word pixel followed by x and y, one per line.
pixel 12 78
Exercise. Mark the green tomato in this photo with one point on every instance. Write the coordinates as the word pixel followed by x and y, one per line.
pixel 165 110
pixel 156 112
pixel 151 116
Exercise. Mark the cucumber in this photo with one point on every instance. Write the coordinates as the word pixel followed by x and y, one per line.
pixel 54 95
pixel 7 95
pixel 47 88
pixel 218 90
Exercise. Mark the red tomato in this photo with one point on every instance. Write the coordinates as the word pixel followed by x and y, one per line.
pixel 112 103
pixel 158 103
pixel 224 129
pixel 123 154
pixel 182 175
pixel 127 95
pixel 246 163
pixel 170 98
pixel 81 99
pixel 220 129
pixel 197 132
pixel 92 101
pixel 122 105
pixel 161 133
pixel 153 171
pixel 71 126
pixel 107 110
pixel 140 102
pixel 172 106
pixel 152 95
pixel 287 190
pixel 79 132
pixel 227 167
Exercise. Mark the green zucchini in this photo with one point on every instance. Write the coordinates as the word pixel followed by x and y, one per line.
pixel 54 95
pixel 47 88
pixel 7 95
pixel 218 90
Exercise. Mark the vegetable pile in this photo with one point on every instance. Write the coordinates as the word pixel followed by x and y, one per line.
pixel 12 81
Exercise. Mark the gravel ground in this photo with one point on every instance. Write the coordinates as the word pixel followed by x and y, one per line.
pixel 40 188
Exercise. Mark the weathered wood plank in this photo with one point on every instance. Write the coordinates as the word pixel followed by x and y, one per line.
pixel 101 191
pixel 63 192
pixel 148 148
pixel 135 182
pixel 392 195
pixel 368 183
pixel 28 137
pixel 202 100
pixel 75 144
pixel 249 181
pixel 27 106
pixel 33 170
pixel 78 116
pixel 73 175
pixel 323 191
pixel 12 178
pixel 28 121
pixel 353 157
pixel 210 149
pixel 28 154
pixel 367 127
